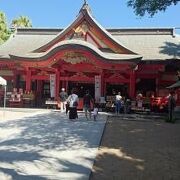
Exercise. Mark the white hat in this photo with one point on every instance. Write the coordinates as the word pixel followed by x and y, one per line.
pixel 63 89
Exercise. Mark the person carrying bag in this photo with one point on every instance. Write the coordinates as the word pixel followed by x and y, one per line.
pixel 73 103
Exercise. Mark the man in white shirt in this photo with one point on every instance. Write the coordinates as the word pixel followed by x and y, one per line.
pixel 118 102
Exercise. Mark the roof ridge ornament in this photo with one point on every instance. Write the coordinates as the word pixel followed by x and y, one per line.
pixel 85 2
pixel 85 7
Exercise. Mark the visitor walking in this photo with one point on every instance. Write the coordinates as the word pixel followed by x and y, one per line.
pixel 118 103
pixel 73 103
pixel 95 112
pixel 63 98
pixel 171 106
pixel 87 100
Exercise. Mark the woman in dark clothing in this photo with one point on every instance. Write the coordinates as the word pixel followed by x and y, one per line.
pixel 87 100
pixel 171 106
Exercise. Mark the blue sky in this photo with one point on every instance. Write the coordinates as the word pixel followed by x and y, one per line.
pixel 110 14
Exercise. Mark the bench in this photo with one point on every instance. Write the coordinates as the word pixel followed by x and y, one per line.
pixel 51 104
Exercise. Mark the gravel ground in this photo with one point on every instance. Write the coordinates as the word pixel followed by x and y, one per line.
pixel 138 148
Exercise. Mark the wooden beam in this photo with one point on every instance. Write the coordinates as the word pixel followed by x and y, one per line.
pixel 77 78
pixel 40 77
pixel 150 67
pixel 28 80
pixel 147 76
pixel 132 84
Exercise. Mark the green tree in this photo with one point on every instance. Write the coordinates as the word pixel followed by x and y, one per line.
pixel 150 6
pixel 4 31
pixel 22 21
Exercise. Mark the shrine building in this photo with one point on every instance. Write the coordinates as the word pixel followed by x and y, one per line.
pixel 130 60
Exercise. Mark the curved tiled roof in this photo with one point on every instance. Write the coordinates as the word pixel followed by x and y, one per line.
pixel 84 13
pixel 23 42
pixel 75 44
pixel 155 45
pixel 150 43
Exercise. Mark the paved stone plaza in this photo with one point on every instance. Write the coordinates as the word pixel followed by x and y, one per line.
pixel 40 144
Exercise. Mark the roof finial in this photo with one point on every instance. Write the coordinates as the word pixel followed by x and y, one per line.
pixel 85 7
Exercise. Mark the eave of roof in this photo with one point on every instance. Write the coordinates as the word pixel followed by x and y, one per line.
pixel 151 43
pixel 142 31
pixel 38 31
pixel 84 13
pixel 76 44
pixel 175 85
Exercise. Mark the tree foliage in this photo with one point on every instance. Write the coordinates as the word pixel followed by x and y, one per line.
pixel 22 21
pixel 4 31
pixel 150 6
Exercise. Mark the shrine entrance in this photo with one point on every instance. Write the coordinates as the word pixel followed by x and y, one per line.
pixel 146 86
pixel 81 88
pixel 113 89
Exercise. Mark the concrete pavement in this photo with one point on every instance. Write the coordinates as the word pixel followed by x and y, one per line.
pixel 43 144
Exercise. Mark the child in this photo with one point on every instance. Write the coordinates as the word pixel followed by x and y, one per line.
pixel 95 112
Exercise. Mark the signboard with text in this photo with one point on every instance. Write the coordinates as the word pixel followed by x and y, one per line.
pixel 52 84
pixel 97 88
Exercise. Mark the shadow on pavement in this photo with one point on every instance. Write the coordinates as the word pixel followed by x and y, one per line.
pixel 48 146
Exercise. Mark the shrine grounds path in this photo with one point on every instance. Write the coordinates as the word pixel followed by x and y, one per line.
pixel 138 148
pixel 41 144
pixel 37 144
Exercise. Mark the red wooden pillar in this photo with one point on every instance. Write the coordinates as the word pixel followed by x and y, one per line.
pixel 28 80
pixel 102 84
pixel 57 84
pixel 14 80
pixel 132 84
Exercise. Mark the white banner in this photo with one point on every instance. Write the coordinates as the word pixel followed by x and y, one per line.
pixel 97 88
pixel 52 84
